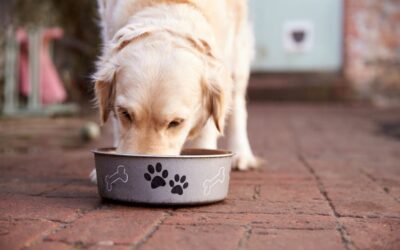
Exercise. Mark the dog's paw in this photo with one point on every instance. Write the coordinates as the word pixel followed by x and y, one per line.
pixel 244 162
pixel 93 176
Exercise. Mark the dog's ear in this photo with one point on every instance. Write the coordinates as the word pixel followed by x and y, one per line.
pixel 108 65
pixel 130 33
pixel 105 88
pixel 215 99
pixel 217 93
pixel 105 94
pixel 216 83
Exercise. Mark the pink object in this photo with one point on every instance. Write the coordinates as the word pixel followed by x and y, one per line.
pixel 51 87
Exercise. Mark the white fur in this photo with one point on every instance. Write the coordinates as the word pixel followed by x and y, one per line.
pixel 148 51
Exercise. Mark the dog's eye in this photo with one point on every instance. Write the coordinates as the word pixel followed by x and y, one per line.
pixel 125 114
pixel 175 123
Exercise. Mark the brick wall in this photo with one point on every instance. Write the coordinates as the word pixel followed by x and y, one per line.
pixel 372 49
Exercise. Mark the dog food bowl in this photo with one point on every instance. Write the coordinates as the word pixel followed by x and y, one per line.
pixel 196 176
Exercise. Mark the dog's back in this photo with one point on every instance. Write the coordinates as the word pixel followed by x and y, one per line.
pixel 223 15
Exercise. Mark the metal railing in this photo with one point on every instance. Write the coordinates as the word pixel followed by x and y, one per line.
pixel 13 106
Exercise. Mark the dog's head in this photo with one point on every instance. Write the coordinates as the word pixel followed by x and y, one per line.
pixel 162 87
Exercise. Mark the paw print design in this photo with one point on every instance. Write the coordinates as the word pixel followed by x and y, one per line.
pixel 159 179
pixel 178 185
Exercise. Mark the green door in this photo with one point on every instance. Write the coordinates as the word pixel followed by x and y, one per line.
pixel 297 35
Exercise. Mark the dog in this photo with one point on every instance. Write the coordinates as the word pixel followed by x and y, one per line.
pixel 172 72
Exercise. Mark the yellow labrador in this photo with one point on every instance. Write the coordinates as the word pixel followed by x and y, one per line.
pixel 172 71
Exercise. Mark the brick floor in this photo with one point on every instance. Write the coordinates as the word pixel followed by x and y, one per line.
pixel 332 181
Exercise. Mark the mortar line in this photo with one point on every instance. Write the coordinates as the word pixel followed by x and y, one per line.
pixel 245 237
pixel 290 213
pixel 75 244
pixel 255 212
pixel 152 231
pixel 348 244
pixel 82 244
pixel 374 180
pixel 43 193
pixel 62 226
pixel 256 193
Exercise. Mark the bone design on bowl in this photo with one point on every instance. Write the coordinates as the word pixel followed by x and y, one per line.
pixel 196 176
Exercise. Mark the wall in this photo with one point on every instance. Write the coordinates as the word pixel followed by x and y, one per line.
pixel 372 49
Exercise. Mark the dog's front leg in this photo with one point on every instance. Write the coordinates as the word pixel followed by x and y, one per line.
pixel 237 137
pixel 236 133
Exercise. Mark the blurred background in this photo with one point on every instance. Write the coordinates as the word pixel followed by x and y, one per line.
pixel 306 50
pixel 72 52
pixel 331 49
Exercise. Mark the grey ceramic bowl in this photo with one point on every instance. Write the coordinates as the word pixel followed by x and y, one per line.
pixel 197 176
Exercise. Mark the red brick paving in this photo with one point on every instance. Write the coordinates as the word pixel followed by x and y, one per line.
pixel 17 234
pixel 51 245
pixel 290 239
pixel 373 233
pixel 195 237
pixel 332 181
pixel 120 225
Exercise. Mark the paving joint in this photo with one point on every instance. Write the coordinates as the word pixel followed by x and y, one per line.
pixel 257 190
pixel 346 240
pixel 62 226
pixel 374 180
pixel 152 230
pixel 245 237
